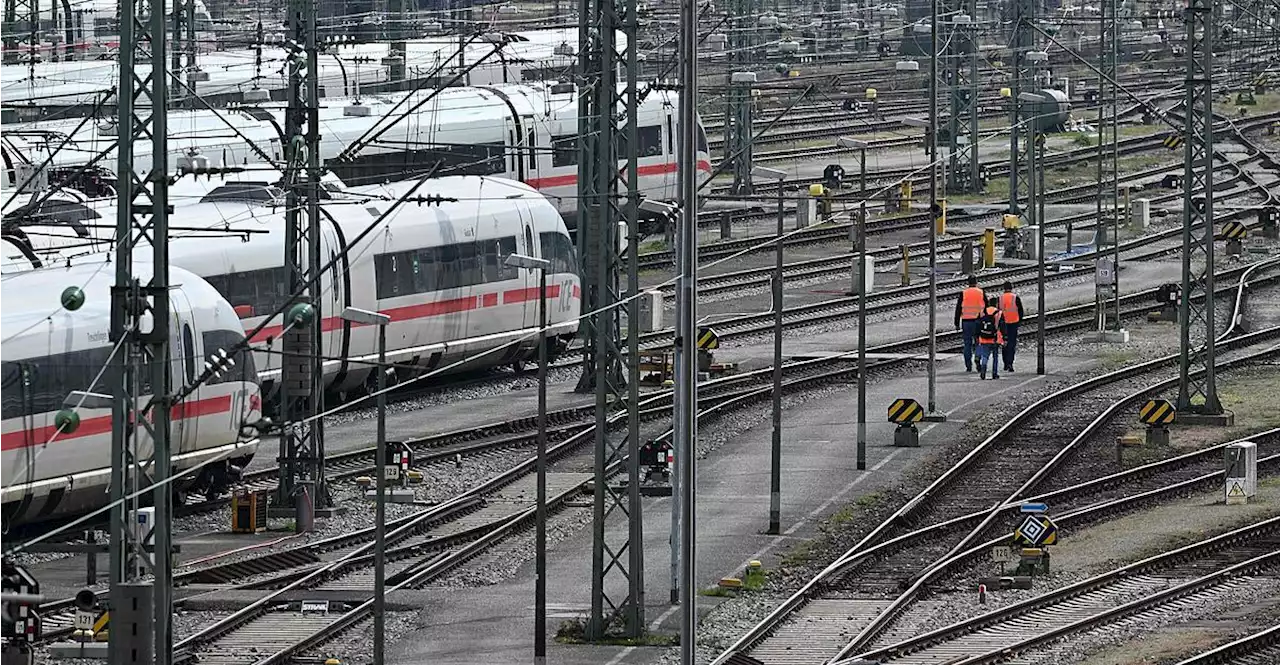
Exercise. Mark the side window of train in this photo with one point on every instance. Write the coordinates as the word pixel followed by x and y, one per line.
pixel 564 150
pixel 528 240
pixel 188 352
pixel 50 379
pixel 443 267
pixel 671 148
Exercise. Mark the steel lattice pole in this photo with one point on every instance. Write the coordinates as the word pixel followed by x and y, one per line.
pixel 142 218
pixel 1196 318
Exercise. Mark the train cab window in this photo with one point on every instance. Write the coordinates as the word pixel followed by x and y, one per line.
pixel 264 290
pixel 53 213
pixel 188 352
pixel 226 340
pixel 252 192
pixel 703 146
pixel 558 249
pixel 564 150
pixel 650 142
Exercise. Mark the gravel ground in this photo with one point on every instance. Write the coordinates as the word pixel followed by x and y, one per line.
pixel 558 378
pixel 500 563
pixel 1208 606
pixel 442 482
pixel 355 645
pixel 184 624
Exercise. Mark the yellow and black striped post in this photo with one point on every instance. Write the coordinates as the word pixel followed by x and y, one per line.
pixel 1235 233
pixel 906 413
pixel 1157 415
pixel 708 341
pixel 1174 142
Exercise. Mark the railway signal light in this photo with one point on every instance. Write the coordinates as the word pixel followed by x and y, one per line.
pixel 21 622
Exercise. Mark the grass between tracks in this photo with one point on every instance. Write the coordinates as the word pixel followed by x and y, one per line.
pixel 574 631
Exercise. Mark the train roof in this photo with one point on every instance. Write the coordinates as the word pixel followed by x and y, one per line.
pixel 194 129
pixel 32 296
pixel 233 70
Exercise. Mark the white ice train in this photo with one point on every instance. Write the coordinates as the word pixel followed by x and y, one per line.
pixel 42 228
pixel 521 132
pixel 48 352
pixel 343 68
pixel 437 270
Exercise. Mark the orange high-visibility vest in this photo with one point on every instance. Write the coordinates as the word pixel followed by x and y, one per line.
pixel 1009 305
pixel 971 303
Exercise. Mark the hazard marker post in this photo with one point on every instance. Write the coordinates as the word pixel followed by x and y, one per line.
pixel 1242 472
pixel 906 413
pixel 1157 415
pixel 1235 233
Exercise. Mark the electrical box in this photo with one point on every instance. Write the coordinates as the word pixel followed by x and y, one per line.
pixel 249 512
pixel 1031 238
pixel 1242 472
pixel 868 274
pixel 650 311
pixel 806 210
pixel 1140 213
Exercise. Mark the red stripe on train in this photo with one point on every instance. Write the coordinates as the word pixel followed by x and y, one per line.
pixel 438 308
pixel 102 424
pixel 649 170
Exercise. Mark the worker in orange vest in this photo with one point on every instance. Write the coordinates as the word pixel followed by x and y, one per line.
pixel 968 309
pixel 990 337
pixel 1012 313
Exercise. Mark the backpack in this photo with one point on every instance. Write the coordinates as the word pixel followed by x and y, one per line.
pixel 987 326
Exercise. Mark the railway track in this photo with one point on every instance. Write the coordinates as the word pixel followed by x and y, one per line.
pixel 833 232
pixel 909 557
pixel 567 425
pixel 1162 583
pixel 1260 648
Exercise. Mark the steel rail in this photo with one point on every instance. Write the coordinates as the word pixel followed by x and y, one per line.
pixel 1163 560
pixel 869 545
pixel 937 568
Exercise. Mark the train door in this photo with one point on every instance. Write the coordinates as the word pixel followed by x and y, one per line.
pixel 530 149
pixel 517 150
pixel 183 369
pixel 530 277
pixel 333 295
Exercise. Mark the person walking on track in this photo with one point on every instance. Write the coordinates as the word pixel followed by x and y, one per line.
pixel 968 309
pixel 1011 312
pixel 990 336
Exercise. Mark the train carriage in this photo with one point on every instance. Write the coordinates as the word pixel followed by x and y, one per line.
pixel 49 352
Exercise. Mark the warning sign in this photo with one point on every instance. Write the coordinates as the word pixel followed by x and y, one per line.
pixel 1235 491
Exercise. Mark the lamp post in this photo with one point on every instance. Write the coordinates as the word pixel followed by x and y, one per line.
pixel 931 138
pixel 1036 210
pixel 669 213
pixel 540 512
pixel 860 288
pixel 368 318
pixel 775 465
